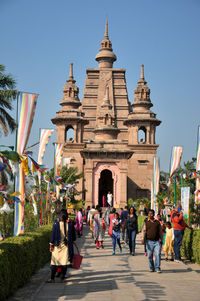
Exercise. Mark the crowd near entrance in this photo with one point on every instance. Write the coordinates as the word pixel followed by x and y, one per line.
pixel 105 185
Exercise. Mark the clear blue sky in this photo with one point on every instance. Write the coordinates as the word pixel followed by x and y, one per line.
pixel 39 38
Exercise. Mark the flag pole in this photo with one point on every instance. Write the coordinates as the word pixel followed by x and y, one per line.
pixel 15 148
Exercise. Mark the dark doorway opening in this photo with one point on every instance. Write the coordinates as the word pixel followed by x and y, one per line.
pixel 105 185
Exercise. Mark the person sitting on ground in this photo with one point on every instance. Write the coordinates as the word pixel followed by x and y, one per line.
pixel 116 232
pixel 169 241
pixel 61 246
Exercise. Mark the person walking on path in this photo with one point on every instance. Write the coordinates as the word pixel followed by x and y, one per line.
pixel 153 232
pixel 169 241
pixel 132 227
pixel 79 223
pixel 124 216
pixel 116 233
pixel 99 229
pixel 61 246
pixel 179 228
pixel 90 220
pixel 111 218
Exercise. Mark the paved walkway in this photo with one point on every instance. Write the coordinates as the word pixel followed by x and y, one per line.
pixel 120 277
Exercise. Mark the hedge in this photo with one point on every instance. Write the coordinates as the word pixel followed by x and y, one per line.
pixel 21 257
pixel 190 248
pixel 141 219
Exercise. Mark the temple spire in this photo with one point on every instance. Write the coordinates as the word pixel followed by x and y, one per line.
pixel 106 57
pixel 142 72
pixel 71 77
pixel 106 31
pixel 142 79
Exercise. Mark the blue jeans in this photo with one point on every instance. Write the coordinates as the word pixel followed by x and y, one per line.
pixel 116 238
pixel 153 247
pixel 125 235
pixel 132 237
pixel 178 237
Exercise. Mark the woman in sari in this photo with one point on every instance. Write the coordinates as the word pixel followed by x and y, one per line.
pixel 79 223
pixel 111 218
pixel 99 228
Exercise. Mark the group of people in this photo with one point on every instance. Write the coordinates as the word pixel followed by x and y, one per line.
pixel 123 226
pixel 154 232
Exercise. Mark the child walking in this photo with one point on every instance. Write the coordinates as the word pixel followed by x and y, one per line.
pixel 169 241
pixel 116 233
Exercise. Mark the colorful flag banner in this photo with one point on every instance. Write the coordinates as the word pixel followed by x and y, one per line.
pixel 58 158
pixel 185 197
pixel 34 204
pixel 152 196
pixel 197 192
pixel 26 110
pixel 45 136
pixel 156 179
pixel 175 159
pixel 198 151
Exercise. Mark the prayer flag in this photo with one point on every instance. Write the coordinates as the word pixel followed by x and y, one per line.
pixel 45 136
pixel 156 179
pixel 175 159
pixel 26 110
pixel 58 157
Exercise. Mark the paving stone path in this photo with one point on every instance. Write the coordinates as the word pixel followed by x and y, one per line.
pixel 121 277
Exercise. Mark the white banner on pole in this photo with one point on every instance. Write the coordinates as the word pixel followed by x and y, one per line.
pixel 185 197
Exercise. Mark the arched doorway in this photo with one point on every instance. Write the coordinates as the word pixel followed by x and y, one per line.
pixel 105 185
pixel 116 189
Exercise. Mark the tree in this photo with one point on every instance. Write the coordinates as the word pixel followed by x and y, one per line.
pixel 7 94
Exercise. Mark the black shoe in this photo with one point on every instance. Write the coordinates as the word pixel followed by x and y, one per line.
pixel 133 253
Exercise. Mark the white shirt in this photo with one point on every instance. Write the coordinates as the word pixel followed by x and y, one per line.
pixel 109 198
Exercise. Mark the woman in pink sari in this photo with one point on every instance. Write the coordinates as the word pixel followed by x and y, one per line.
pixel 111 218
pixel 79 223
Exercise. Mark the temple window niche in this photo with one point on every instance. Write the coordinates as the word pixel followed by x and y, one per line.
pixel 142 133
pixel 69 134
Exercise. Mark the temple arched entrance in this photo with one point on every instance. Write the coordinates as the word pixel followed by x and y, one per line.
pixel 105 185
pixel 106 177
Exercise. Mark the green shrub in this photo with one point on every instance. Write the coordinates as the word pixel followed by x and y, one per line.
pixel 190 248
pixel 22 256
pixel 196 246
pixel 141 219
pixel 186 247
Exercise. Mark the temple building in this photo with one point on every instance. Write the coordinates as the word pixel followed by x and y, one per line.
pixel 113 139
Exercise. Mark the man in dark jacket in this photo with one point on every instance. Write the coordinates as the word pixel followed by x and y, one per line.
pixel 152 231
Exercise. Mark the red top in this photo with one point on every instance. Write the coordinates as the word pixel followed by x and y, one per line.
pixel 177 220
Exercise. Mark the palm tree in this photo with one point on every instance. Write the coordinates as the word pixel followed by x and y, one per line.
pixel 7 94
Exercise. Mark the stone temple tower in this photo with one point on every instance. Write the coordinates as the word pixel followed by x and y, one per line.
pixel 114 141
